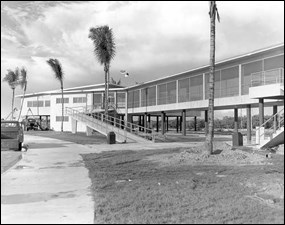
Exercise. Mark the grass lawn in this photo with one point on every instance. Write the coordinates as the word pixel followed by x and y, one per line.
pixel 129 187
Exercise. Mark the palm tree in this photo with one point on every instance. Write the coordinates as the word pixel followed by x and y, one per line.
pixel 104 50
pixel 210 134
pixel 57 69
pixel 12 77
pixel 23 82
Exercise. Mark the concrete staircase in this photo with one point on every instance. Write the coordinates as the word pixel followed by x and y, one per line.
pixel 125 131
pixel 273 136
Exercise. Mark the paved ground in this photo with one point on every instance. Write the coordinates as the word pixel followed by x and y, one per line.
pixel 49 185
pixel 8 159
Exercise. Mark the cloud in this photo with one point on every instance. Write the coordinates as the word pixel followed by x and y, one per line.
pixel 153 39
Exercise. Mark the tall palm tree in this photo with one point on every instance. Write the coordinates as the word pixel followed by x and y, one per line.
pixel 23 82
pixel 58 72
pixel 12 77
pixel 210 134
pixel 104 50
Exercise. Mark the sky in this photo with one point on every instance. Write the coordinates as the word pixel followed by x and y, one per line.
pixel 153 39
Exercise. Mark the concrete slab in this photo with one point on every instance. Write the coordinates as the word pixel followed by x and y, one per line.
pixel 49 185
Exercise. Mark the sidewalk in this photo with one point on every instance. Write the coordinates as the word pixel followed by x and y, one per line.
pixel 49 185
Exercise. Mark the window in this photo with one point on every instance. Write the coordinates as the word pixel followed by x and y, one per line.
pixel 79 100
pixel 183 90
pixel 230 82
pixel 162 94
pixel 29 104
pixel 134 99
pixel 151 96
pixel 59 118
pixel 40 103
pixel 65 100
pixel 121 100
pixel 171 92
pixel 247 70
pixel 47 103
pixel 196 88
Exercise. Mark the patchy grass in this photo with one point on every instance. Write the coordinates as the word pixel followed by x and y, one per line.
pixel 129 188
pixel 78 138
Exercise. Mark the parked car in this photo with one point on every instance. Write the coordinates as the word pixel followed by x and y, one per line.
pixel 12 135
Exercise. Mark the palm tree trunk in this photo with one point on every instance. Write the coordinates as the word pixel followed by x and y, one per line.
pixel 62 107
pixel 22 105
pixel 106 99
pixel 13 96
pixel 210 134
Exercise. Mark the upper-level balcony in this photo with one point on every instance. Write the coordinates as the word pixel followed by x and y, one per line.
pixel 267 84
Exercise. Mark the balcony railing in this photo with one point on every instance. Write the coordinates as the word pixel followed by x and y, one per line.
pixel 273 76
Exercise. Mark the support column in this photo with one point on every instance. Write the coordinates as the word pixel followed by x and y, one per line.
pixel 162 122
pixel 177 124
pixel 145 121
pixel 275 118
pixel 73 126
pixel 261 111
pixel 180 123
pixel 149 121
pixel 235 120
pixel 184 122
pixel 128 125
pixel 195 123
pixel 157 123
pixel 167 123
pixel 88 131
pixel 206 122
pixel 248 124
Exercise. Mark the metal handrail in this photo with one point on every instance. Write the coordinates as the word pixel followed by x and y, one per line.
pixel 281 121
pixel 117 122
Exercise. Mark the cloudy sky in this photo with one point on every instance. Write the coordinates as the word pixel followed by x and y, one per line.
pixel 153 39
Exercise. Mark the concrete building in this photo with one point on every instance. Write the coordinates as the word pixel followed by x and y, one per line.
pixel 252 80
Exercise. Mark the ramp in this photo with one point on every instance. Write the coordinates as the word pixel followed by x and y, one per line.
pixel 125 131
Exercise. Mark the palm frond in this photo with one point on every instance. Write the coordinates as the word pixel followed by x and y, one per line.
pixel 57 68
pixel 12 78
pixel 104 44
pixel 23 80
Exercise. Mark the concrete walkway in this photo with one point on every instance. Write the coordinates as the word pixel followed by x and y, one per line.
pixel 51 185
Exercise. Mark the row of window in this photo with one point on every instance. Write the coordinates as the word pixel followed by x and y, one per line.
pixel 191 88
pixel 38 103
pixel 59 118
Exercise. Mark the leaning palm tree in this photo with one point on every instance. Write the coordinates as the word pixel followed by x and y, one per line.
pixel 58 72
pixel 104 50
pixel 23 82
pixel 210 134
pixel 12 77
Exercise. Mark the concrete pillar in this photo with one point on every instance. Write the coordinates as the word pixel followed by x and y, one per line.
pixel 73 126
pixel 180 123
pixel 167 123
pixel 177 124
pixel 195 123
pixel 275 118
pixel 184 122
pixel 206 122
pixel 88 131
pixel 248 124
pixel 235 120
pixel 145 121
pixel 261 111
pixel 157 123
pixel 129 120
pixel 149 121
pixel 122 122
pixel 162 122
